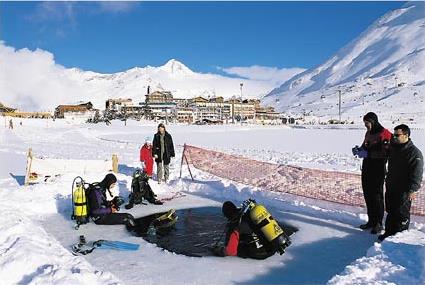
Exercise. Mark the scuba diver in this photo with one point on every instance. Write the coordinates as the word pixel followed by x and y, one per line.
pixel 141 190
pixel 104 212
pixel 251 232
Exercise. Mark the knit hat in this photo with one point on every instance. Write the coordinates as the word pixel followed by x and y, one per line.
pixel 371 117
pixel 148 140
pixel 229 210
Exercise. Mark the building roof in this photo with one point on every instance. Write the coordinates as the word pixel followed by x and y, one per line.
pixel 5 109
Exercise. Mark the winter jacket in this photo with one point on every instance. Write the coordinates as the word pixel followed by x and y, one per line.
pixel 146 157
pixel 98 205
pixel 377 144
pixel 168 145
pixel 243 242
pixel 405 168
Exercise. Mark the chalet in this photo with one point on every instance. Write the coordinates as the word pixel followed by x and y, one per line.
pixel 11 112
pixel 159 97
pixel 80 110
pixel 185 115
pixel 267 115
pixel 161 111
pixel 199 102
pixel 117 104
pixel 5 109
pixel 181 102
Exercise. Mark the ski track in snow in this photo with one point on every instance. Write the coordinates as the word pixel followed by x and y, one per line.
pixel 37 231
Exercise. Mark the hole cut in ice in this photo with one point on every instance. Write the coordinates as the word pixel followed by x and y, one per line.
pixel 194 233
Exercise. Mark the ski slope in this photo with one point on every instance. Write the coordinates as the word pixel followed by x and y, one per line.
pixel 381 70
pixel 36 231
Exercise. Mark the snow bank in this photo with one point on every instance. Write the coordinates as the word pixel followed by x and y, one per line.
pixel 398 260
pixel 28 255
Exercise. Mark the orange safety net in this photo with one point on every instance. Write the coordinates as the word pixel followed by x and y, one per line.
pixel 332 186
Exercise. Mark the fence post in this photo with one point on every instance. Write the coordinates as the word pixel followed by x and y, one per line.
pixel 188 166
pixel 115 163
pixel 28 170
pixel 184 158
pixel 181 164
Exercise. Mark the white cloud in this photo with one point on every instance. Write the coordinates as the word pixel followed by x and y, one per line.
pixel 274 75
pixel 31 80
pixel 116 7
pixel 69 11
pixel 60 18
pixel 54 11
pixel 54 19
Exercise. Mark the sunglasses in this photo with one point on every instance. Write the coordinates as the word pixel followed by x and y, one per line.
pixel 397 135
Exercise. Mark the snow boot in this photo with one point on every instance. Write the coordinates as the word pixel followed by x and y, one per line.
pixel 366 226
pixel 383 236
pixel 376 229
pixel 129 206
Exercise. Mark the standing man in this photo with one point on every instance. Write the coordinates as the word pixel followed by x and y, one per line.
pixel 163 151
pixel 405 169
pixel 374 151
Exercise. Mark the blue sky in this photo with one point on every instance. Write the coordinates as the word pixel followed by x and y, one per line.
pixel 115 36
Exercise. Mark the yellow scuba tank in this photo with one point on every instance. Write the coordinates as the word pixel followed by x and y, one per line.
pixel 266 225
pixel 79 202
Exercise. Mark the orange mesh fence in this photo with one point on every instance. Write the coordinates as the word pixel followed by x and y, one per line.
pixel 332 186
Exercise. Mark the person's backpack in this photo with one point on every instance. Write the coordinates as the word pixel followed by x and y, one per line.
pixel 141 190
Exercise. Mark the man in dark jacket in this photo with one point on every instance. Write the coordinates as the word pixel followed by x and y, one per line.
pixel 102 211
pixel 163 151
pixel 405 169
pixel 374 151
pixel 241 240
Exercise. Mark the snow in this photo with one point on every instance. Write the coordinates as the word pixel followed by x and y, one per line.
pixel 36 230
pixel 29 255
pixel 381 71
pixel 398 260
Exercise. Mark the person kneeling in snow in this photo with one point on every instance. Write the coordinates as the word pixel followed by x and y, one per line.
pixel 241 240
pixel 102 211
pixel 141 190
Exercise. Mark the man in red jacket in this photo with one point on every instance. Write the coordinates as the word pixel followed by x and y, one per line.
pixel 146 157
pixel 374 151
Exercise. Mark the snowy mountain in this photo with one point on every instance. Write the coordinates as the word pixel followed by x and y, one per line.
pixel 32 80
pixel 173 76
pixel 381 70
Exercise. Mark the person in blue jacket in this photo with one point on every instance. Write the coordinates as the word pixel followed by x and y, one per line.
pixel 102 211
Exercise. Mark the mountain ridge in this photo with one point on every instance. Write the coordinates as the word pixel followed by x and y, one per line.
pixel 390 52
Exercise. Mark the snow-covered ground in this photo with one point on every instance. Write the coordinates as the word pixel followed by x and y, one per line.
pixel 36 231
